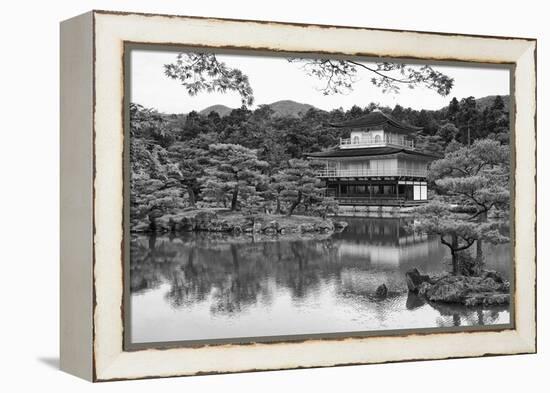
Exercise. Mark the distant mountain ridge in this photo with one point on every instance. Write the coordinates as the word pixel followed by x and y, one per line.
pixel 487 101
pixel 221 110
pixel 283 108
pixel 290 108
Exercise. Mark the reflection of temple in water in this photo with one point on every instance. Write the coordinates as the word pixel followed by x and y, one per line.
pixel 202 285
pixel 387 243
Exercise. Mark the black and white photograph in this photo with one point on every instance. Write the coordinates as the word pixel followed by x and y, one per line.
pixel 274 197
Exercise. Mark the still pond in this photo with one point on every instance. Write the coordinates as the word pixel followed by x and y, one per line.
pixel 198 286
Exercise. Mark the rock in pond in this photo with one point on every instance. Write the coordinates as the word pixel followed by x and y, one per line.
pixel 270 228
pixel 487 289
pixel 305 228
pixel 325 226
pixel 415 279
pixel 382 291
pixel 340 225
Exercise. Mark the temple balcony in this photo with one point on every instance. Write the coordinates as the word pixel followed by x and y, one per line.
pixel 378 141
pixel 396 172
pixel 376 201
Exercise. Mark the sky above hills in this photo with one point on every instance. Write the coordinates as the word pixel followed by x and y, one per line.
pixel 274 79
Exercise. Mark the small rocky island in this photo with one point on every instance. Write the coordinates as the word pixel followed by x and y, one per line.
pixel 485 289
pixel 222 220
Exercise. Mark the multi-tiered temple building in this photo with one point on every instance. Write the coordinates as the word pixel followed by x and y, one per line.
pixel 377 165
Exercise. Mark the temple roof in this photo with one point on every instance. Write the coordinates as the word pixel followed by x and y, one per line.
pixel 368 152
pixel 376 119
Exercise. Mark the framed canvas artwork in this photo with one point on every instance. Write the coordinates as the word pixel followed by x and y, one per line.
pixel 248 195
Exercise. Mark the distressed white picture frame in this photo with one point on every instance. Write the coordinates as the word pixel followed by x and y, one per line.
pixel 92 190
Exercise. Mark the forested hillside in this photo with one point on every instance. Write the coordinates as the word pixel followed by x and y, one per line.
pixel 172 155
pixel 284 108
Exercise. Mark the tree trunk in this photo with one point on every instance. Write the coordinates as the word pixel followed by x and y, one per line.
pixel 235 256
pixel 152 242
pixel 295 204
pixel 278 209
pixel 479 246
pixel 454 260
pixel 480 320
pixel 456 320
pixel 456 263
pixel 190 269
pixel 192 198
pixel 234 198
pixel 479 254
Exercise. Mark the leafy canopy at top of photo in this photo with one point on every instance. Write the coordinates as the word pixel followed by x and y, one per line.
pixel 199 72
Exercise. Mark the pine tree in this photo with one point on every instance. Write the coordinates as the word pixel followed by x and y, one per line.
pixel 301 184
pixel 277 185
pixel 189 167
pixel 234 170
pixel 454 230
pixel 466 119
pixel 453 109
pixel 153 191
pixel 476 179
pixel 448 132
pixel 432 144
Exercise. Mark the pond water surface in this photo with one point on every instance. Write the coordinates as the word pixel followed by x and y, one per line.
pixel 198 286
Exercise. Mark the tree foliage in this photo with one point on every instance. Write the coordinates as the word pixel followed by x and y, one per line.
pixel 151 183
pixel 254 159
pixel 233 171
pixel 453 229
pixel 190 162
pixel 199 72
pixel 339 76
pixel 300 185
pixel 169 154
pixel 474 203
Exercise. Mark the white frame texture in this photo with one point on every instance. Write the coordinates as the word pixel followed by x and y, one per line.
pixel 92 142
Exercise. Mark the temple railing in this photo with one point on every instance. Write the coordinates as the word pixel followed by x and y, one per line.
pixel 385 140
pixel 390 201
pixel 332 172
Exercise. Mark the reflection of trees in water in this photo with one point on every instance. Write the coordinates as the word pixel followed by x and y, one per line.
pixel 240 288
pixel 233 275
pixel 234 272
pixel 187 282
pixel 376 231
pixel 457 315
pixel 483 317
pixel 147 264
pixel 414 301
pixel 236 269
pixel 256 267
pixel 303 265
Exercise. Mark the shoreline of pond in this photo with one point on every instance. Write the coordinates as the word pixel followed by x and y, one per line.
pixel 226 221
